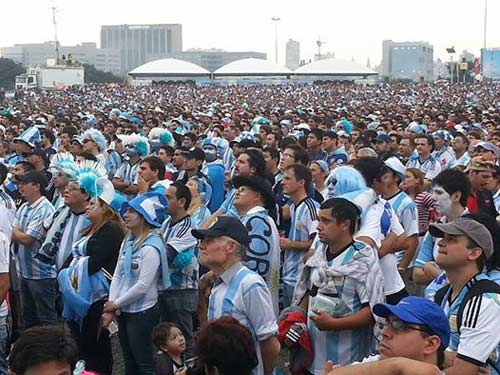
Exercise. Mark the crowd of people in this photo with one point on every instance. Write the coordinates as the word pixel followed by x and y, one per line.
pixel 351 228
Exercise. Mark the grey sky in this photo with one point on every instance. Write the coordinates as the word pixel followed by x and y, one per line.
pixel 353 28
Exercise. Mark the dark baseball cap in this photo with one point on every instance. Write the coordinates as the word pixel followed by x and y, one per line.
pixel 382 137
pixel 225 226
pixel 34 177
pixel 462 226
pixel 195 153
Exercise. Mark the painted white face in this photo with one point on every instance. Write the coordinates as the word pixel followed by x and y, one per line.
pixel 442 199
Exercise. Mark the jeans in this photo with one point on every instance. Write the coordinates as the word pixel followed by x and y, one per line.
pixel 38 301
pixel 179 307
pixel 134 332
pixel 287 294
pixel 4 343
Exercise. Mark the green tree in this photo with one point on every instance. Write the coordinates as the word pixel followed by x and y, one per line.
pixel 93 75
pixel 8 72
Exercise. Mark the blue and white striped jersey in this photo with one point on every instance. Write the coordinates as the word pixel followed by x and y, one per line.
pixel 128 173
pixel 445 157
pixel 178 238
pixel 263 255
pixel 200 216
pixel 430 167
pixel 304 220
pixel 243 295
pixel 463 160
pixel 29 219
pixel 341 347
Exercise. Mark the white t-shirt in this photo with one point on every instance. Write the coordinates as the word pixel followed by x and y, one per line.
pixel 4 266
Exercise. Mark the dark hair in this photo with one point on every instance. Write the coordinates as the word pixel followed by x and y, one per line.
pixel 256 161
pixel 169 150
pixel 156 165
pixel 370 168
pixel 266 128
pixel 463 136
pixel 26 165
pixel 161 333
pixel 191 136
pixel 430 139
pixel 3 173
pixel 301 173
pixel 453 180
pixel 227 345
pixel 318 133
pixel 49 135
pixel 342 210
pixel 40 345
pixel 273 153
pixel 87 156
pixel 70 130
pixel 299 154
pixel 182 191
pixel 331 135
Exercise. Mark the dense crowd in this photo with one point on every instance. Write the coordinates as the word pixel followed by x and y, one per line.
pixel 353 227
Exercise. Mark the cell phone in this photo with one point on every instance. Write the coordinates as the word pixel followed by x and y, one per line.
pixel 112 328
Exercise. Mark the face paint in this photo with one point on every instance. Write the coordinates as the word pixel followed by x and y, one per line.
pixel 332 186
pixel 442 199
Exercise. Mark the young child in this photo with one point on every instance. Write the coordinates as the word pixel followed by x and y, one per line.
pixel 171 344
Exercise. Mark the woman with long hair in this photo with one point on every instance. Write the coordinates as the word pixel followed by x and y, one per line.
pixel 141 272
pixel 413 185
pixel 200 196
pixel 85 283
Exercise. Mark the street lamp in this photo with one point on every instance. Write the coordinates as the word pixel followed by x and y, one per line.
pixel 451 51
pixel 275 20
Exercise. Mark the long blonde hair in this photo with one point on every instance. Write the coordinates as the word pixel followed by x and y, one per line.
pixel 108 216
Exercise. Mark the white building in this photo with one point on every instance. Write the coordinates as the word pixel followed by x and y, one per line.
pixel 33 54
pixel 292 54
pixel 407 60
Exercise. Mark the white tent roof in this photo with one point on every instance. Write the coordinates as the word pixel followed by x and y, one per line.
pixel 255 67
pixel 334 67
pixel 169 67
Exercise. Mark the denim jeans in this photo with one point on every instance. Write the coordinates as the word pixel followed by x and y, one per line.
pixel 38 301
pixel 134 332
pixel 179 306
pixel 287 294
pixel 4 343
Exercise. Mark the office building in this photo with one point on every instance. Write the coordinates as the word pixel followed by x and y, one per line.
pixel 138 42
pixel 292 54
pixel 407 61
pixel 490 63
pixel 33 54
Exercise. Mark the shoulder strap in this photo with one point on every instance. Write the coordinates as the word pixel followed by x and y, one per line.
pixel 439 296
pixel 478 288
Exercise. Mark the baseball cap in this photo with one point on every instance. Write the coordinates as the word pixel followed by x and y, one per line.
pixel 421 311
pixel 225 226
pixel 195 153
pixel 395 165
pixel 34 177
pixel 461 226
pixel 489 147
pixel 382 137
pixel 38 152
pixel 479 164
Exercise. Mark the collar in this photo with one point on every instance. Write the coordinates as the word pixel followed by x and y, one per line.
pixel 231 272
pixel 37 202
pixel 255 210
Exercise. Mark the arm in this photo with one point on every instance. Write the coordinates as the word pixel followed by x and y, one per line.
pixel 131 189
pixel 388 245
pixel 270 350
pixel 4 286
pixel 21 237
pixel 326 322
pixel 425 256
pixel 460 367
pixel 119 184
pixel 4 267
pixel 285 243
pixel 411 247
pixel 390 366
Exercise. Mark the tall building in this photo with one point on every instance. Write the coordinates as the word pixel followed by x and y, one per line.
pixel 292 54
pixel 105 59
pixel 210 59
pixel 490 63
pixel 407 60
pixel 137 42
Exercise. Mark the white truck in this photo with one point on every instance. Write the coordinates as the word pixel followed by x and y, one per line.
pixel 55 77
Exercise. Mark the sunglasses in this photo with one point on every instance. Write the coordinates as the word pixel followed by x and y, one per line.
pixel 400 326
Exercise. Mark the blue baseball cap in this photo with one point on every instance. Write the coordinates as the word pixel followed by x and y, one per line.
pixel 225 226
pixel 421 311
pixel 382 137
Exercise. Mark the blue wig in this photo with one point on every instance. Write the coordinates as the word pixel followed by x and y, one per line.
pixel 343 180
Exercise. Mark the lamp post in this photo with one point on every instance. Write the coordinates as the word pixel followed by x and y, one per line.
pixel 485 21
pixel 451 51
pixel 275 20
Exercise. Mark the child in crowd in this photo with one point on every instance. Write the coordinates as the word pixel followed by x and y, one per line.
pixel 171 344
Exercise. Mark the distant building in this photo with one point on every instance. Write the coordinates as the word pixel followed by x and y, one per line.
pixel 324 56
pixel 210 59
pixel 138 42
pixel 407 60
pixel 33 54
pixel 292 54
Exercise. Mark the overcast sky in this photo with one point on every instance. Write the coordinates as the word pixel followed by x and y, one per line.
pixel 351 29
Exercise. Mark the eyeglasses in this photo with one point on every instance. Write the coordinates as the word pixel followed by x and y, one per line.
pixel 400 326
